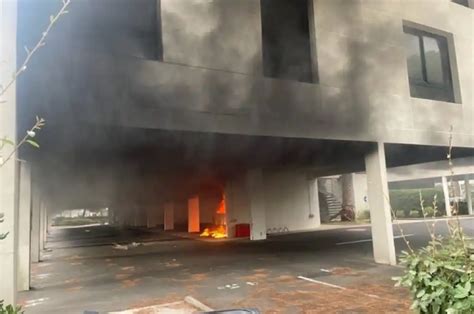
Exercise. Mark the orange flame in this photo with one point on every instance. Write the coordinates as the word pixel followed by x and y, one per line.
pixel 221 208
pixel 216 233
pixel 219 231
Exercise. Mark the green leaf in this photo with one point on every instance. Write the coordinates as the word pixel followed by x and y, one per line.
pixel 33 143
pixel 7 141
pixel 420 293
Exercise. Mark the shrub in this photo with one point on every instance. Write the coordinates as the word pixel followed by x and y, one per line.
pixel 409 199
pixel 440 276
pixel 9 309
pixel 429 211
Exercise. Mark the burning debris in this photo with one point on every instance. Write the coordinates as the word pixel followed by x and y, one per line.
pixel 219 231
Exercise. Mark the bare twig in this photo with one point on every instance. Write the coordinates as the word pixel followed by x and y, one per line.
pixel 399 226
pixel 27 138
pixel 41 42
pixel 456 230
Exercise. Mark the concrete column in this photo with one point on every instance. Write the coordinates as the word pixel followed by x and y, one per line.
pixel 150 217
pixel 467 187
pixel 169 216
pixel 42 226
pixel 255 189
pixel 35 225
pixel 314 201
pixel 193 215
pixel 379 204
pixel 24 226
pixel 446 193
pixel 9 171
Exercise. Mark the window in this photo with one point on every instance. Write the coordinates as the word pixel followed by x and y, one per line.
pixel 429 70
pixel 286 40
pixel 462 2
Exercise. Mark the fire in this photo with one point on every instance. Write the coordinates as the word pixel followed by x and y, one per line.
pixel 221 208
pixel 218 232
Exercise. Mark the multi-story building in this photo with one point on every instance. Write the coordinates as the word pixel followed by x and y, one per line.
pixel 151 103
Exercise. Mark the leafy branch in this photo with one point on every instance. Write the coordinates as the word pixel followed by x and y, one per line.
pixel 28 138
pixel 41 42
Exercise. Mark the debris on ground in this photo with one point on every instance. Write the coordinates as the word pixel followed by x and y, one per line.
pixel 179 307
pixel 125 247
pixel 230 286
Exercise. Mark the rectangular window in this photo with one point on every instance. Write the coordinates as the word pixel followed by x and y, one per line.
pixel 429 71
pixel 462 2
pixel 286 40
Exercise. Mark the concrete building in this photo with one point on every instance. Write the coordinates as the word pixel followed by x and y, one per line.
pixel 153 104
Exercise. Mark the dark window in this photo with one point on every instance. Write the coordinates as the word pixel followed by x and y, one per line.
pixel 286 40
pixel 462 2
pixel 429 70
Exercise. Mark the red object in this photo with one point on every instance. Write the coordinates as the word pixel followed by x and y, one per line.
pixel 242 230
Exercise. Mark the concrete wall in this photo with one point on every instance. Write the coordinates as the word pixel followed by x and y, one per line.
pixel 208 204
pixel 9 171
pixel 287 202
pixel 211 78
pixel 237 204
pixel 360 193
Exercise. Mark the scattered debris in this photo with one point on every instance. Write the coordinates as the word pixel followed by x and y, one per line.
pixel 179 307
pixel 231 286
pixel 126 268
pixel 198 304
pixel 126 247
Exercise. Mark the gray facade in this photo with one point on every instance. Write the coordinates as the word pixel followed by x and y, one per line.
pixel 198 66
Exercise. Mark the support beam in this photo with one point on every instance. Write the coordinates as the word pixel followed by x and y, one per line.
pixel 258 226
pixel 24 226
pixel 42 227
pixel 193 215
pixel 379 204
pixel 467 188
pixel 314 201
pixel 9 171
pixel 35 224
pixel 446 193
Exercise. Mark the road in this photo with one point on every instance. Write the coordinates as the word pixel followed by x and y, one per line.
pixel 322 271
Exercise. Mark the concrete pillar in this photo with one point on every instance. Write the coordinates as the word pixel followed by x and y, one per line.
pixel 111 216
pixel 42 226
pixel 169 216
pixel 35 224
pixel 446 193
pixel 467 187
pixel 24 226
pixel 379 204
pixel 256 193
pixel 193 215
pixel 9 171
pixel 314 201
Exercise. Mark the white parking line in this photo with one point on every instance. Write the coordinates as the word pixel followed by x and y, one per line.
pixel 370 240
pixel 339 287
pixel 321 282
